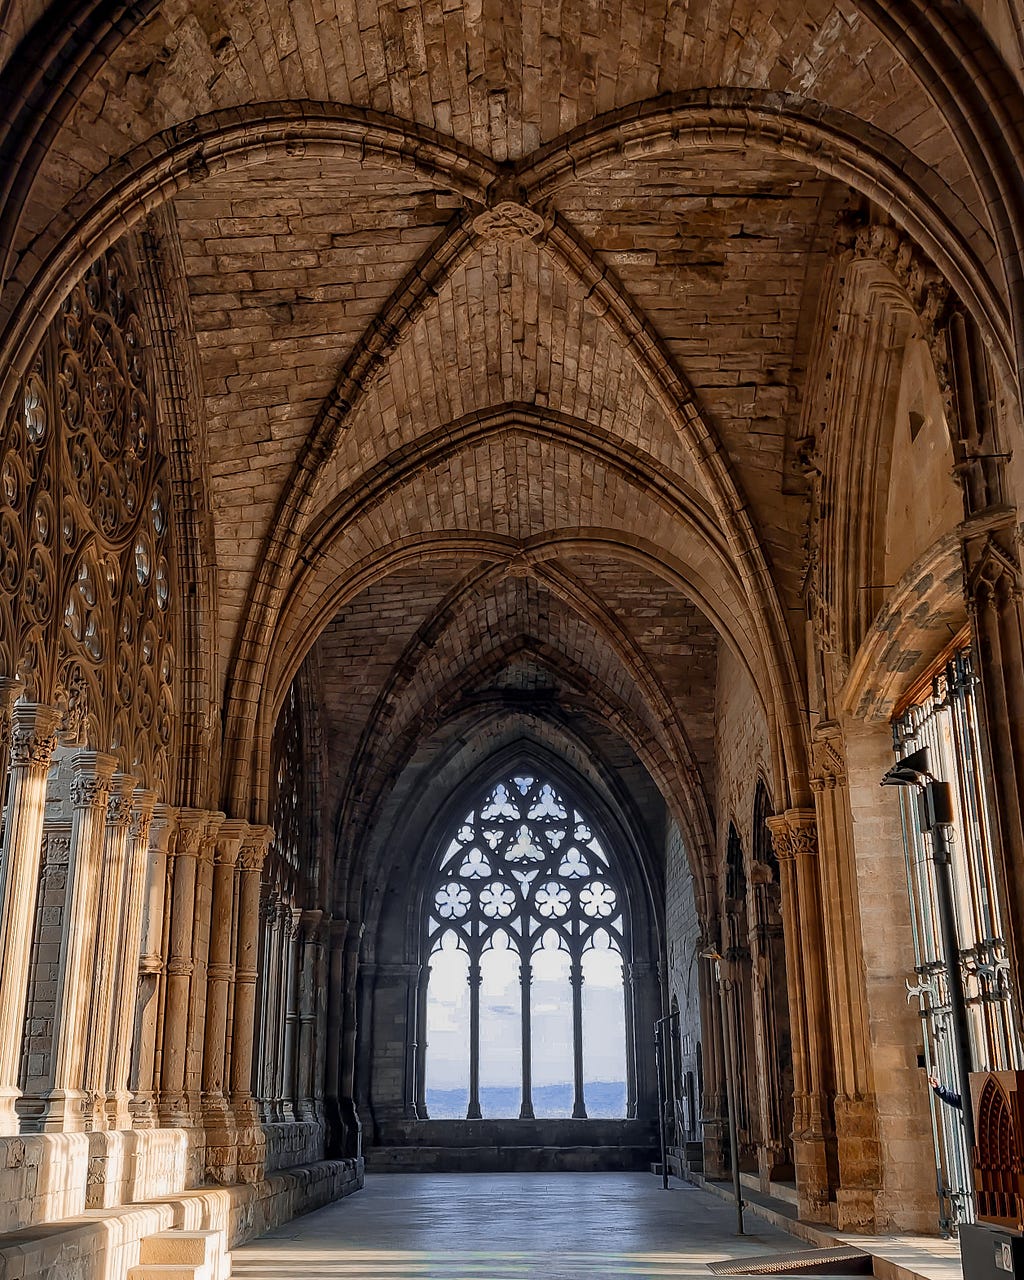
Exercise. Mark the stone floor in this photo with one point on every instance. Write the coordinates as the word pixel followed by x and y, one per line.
pixel 560 1226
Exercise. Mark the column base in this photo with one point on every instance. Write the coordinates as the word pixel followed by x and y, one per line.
pixel 58 1111
pixel 10 1124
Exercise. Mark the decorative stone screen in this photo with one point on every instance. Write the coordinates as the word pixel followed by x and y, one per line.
pixel 525 874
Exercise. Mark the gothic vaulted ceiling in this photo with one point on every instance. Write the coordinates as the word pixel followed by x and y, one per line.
pixel 501 316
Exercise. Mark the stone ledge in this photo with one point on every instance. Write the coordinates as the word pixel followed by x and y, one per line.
pixel 104 1243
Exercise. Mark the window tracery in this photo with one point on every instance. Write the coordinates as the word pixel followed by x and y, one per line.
pixel 525 873
pixel 86 616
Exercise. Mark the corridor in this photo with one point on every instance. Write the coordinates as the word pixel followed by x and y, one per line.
pixel 566 1226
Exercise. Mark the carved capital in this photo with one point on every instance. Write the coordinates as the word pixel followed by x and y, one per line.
pixel 119 802
pixel 91 774
pixel 230 835
pixel 794 834
pixel 143 803
pixel 254 847
pixel 33 734
pixel 993 570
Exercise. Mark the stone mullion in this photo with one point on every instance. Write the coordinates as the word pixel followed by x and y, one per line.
pixel 113 888
pixel 33 738
pixel 61 1104
pixel 334 1030
pixel 856 1121
pixel 126 988
pixel 152 962
pixel 220 972
pixel 309 926
pixel 579 1105
pixel 173 1102
pixel 796 843
pixel 475 979
pixel 628 1018
pixel 526 1029
pixel 272 1039
pixel 267 916
pixel 422 999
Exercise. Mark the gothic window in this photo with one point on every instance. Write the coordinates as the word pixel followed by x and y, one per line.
pixel 946 720
pixel 525 932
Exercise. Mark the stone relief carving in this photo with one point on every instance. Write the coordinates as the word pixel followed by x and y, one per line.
pixel 85 574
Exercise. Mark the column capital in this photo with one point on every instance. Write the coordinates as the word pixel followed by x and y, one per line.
pixel 119 803
pixel 255 846
pixel 91 774
pixel 230 834
pixel 143 805
pixel 10 689
pixel 162 827
pixel 33 733
pixel 189 830
pixel 794 834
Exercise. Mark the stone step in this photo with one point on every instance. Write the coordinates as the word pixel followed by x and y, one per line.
pixel 168 1271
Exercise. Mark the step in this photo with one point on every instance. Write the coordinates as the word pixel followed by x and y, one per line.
pixel 187 1248
pixel 168 1271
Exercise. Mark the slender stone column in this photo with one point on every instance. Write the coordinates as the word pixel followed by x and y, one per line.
pixel 251 856
pixel 475 978
pixel 173 1103
pixel 290 1013
pixel 579 1105
pixel 309 946
pixel 412 986
pixel 526 1024
pixel 112 894
pixel 201 926
pixel 422 996
pixel 628 1016
pixel 61 1105
pixel 155 925
pixel 795 836
pixel 220 971
pixel 334 1035
pixel 126 980
pixel 320 987
pixel 33 738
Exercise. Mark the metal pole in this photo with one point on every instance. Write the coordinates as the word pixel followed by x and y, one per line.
pixel 938 803
pixel 730 1098
pixel 659 1053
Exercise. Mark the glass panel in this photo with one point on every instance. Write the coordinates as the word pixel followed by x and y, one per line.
pixel 604 1052
pixel 501 1059
pixel 551 1013
pixel 447 1055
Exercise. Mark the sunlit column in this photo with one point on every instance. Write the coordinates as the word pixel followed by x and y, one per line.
pixel 525 1006
pixel 475 978
pixel 251 855
pixel 173 1104
pixel 270 903
pixel 155 925
pixel 579 1106
pixel 220 969
pixel 126 981
pixel 108 931
pixel 61 1103
pixel 33 738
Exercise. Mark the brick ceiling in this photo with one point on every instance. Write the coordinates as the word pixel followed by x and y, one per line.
pixel 552 460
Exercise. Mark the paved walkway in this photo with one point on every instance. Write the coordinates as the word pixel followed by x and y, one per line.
pixel 559 1226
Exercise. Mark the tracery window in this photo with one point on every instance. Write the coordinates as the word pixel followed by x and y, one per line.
pixel 946 719
pixel 525 894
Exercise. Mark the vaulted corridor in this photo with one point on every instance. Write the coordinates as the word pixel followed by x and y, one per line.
pixel 509 1226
